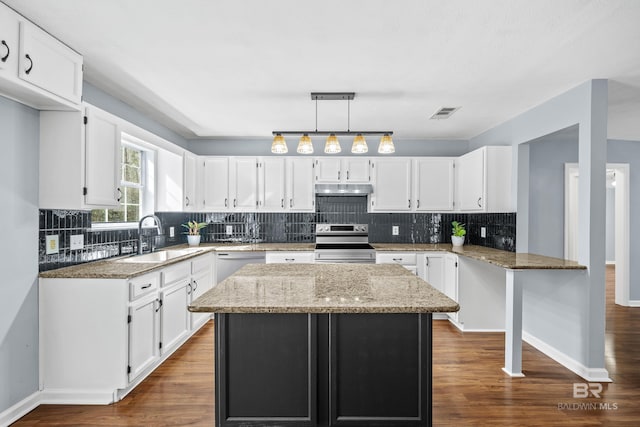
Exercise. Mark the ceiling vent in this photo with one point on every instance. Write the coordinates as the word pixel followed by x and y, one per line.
pixel 444 113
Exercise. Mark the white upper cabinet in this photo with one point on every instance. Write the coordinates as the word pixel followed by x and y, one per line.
pixel 190 196
pixel 391 179
pixel 35 68
pixel 215 173
pixel 483 180
pixel 271 184
pixel 300 184
pixel 434 184
pixel 170 193
pixel 79 159
pixel 243 183
pixel 342 170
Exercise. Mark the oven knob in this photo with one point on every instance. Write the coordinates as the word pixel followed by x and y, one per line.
pixel 357 228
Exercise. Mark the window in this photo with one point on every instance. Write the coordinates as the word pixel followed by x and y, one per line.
pixel 131 186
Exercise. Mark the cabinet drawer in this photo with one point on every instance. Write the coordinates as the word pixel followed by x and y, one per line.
pixel 201 263
pixel 290 257
pixel 139 286
pixel 403 258
pixel 176 272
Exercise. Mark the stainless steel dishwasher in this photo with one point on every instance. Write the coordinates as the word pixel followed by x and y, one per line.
pixel 230 262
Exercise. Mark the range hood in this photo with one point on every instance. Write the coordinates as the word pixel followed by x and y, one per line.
pixel 344 189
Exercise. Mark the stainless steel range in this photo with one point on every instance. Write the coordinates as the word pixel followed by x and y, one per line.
pixel 344 243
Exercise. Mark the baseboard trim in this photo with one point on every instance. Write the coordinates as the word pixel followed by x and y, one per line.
pixel 610 263
pixel 590 374
pixel 440 316
pixel 20 409
pixel 77 397
pixel 634 303
pixel 462 328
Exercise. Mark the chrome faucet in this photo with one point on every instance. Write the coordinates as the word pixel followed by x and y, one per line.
pixel 158 226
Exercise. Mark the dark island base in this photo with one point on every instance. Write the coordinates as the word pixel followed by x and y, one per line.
pixel 323 369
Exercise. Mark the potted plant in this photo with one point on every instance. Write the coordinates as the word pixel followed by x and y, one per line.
pixel 457 233
pixel 193 231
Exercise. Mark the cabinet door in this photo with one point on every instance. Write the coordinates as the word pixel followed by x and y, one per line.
pixel 190 200
pixel 144 331
pixel 451 280
pixel 174 321
pixel 169 192
pixel 9 31
pixel 434 181
pixel 102 151
pixel 471 179
pixel 434 271
pixel 47 63
pixel 391 185
pixel 200 283
pixel 216 183
pixel 356 171
pixel 300 182
pixel 271 184
pixel 328 170
pixel 244 183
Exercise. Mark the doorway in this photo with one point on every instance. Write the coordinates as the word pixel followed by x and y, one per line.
pixel 618 179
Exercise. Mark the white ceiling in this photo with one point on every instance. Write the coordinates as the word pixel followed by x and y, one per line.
pixel 243 68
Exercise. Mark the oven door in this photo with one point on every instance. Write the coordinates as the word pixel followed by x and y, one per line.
pixel 341 256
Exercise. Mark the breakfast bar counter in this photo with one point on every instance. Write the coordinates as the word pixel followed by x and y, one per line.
pixel 323 344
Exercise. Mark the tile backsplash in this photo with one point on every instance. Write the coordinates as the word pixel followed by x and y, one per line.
pixel 270 227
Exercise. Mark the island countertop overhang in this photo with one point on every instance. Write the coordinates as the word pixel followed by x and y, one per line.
pixel 323 288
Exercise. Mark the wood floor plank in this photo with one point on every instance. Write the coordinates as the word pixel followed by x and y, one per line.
pixel 469 387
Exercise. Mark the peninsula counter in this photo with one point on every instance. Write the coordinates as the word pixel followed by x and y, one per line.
pixel 323 344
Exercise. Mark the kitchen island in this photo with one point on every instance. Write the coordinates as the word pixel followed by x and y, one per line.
pixel 323 344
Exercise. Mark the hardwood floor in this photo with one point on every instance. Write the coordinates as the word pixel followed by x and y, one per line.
pixel 469 386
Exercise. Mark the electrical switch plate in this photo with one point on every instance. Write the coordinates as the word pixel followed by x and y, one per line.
pixel 76 241
pixel 52 244
pixel 483 231
pixel 395 230
pixel 229 230
pixel 172 232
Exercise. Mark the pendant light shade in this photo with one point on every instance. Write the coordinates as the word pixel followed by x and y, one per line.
pixel 332 145
pixel 386 145
pixel 279 145
pixel 304 145
pixel 359 145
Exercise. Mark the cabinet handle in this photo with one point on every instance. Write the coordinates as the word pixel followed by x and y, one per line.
pixel 226 202
pixel 282 203
pixel 397 259
pixel 119 194
pixel 159 305
pixel 4 58
pixel 190 289
pixel 426 261
pixel 187 199
pixel 290 259
pixel 290 203
pixel 195 283
pixel 409 203
pixel 418 204
pixel 147 286
pixel 28 70
pixel 338 175
pixel 479 204
pixel 235 203
pixel 347 175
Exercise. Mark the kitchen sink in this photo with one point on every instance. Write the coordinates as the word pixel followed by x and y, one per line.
pixel 161 256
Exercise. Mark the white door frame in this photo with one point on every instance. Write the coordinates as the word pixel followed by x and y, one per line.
pixel 621 224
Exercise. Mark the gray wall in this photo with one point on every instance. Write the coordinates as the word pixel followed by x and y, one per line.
pixel 629 152
pixel 18 253
pixel 610 250
pixel 262 147
pixel 547 157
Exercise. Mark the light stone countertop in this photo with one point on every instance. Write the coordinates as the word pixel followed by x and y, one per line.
pixel 323 288
pixel 504 259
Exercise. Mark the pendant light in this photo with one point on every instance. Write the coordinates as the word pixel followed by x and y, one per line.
pixel 304 145
pixel 332 145
pixel 386 145
pixel 359 145
pixel 279 145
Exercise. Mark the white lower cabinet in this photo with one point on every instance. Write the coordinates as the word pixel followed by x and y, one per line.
pixel 408 260
pixel 100 337
pixel 290 257
pixel 451 281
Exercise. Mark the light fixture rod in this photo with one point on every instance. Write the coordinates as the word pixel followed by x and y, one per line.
pixel 332 132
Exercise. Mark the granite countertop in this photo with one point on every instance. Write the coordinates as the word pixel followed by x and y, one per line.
pixel 504 259
pixel 323 288
pixel 112 268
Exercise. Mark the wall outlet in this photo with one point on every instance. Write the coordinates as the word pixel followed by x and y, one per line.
pixel 172 232
pixel 76 241
pixel 483 231
pixel 229 230
pixel 395 230
pixel 52 244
